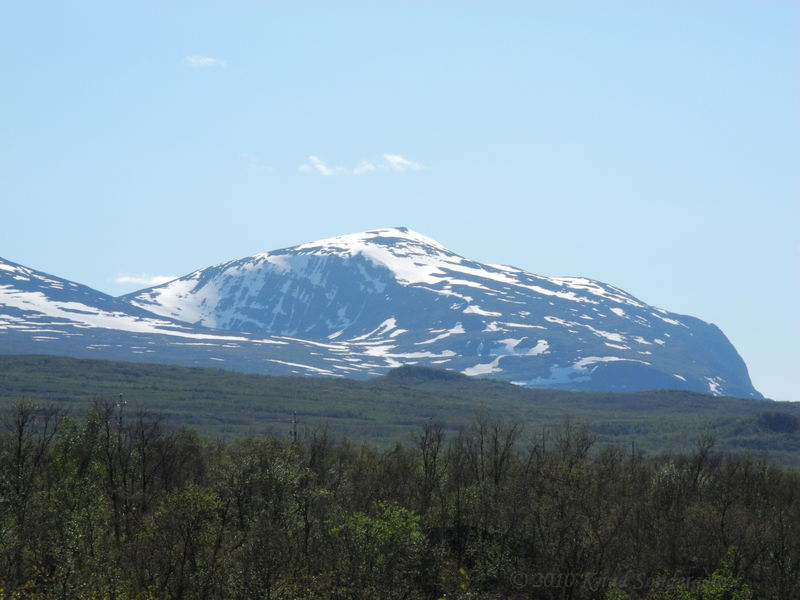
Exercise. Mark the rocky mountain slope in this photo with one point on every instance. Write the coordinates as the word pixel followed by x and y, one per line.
pixel 357 305
pixel 400 297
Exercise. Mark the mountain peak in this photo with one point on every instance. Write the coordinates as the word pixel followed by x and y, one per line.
pixel 397 238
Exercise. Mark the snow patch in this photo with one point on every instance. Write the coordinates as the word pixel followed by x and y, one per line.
pixel 667 319
pixel 477 310
pixel 541 347
pixel 484 368
pixel 459 328
pixel 385 327
pixel 715 385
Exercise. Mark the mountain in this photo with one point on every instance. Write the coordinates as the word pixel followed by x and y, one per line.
pixel 376 300
pixel 44 314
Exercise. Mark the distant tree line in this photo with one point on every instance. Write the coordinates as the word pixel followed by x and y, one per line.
pixel 117 506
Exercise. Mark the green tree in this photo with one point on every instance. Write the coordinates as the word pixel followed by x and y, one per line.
pixel 381 555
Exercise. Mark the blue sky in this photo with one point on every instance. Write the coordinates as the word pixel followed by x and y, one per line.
pixel 651 145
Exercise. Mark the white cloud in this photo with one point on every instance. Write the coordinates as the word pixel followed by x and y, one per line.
pixel 144 279
pixel 397 162
pixel 389 162
pixel 315 165
pixel 365 167
pixel 204 62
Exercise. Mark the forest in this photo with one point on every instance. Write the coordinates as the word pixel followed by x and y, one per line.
pixel 392 407
pixel 114 504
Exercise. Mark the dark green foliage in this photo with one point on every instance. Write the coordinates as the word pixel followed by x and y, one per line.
pixel 114 505
pixel 779 422
pixel 407 375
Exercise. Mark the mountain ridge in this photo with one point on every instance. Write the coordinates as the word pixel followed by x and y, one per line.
pixel 359 304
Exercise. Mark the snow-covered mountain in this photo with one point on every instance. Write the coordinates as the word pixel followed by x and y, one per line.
pixel 374 300
pixel 31 301
pixel 44 314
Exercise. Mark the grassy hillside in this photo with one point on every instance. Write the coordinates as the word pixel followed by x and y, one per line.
pixel 393 407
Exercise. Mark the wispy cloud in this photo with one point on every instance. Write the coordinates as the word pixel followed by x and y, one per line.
pixel 389 162
pixel 143 279
pixel 365 167
pixel 204 62
pixel 316 165
pixel 397 162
